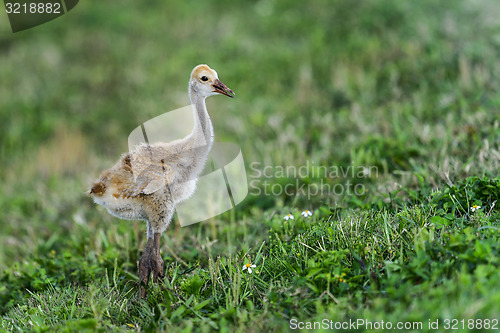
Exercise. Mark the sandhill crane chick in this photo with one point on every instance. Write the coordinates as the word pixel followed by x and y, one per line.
pixel 148 182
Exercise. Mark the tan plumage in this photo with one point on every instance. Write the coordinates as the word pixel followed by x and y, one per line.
pixel 148 182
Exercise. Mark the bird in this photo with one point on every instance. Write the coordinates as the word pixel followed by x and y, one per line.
pixel 150 180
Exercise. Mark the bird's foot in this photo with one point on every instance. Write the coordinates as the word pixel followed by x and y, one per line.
pixel 156 263
pixel 144 270
pixel 150 261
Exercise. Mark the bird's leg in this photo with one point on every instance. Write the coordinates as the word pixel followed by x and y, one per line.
pixel 156 260
pixel 145 268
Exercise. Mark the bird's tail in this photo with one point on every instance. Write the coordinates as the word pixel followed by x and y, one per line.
pixel 97 189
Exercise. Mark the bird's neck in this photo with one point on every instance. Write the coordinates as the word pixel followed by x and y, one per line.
pixel 203 133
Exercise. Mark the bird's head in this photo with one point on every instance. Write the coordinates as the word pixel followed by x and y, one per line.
pixel 205 81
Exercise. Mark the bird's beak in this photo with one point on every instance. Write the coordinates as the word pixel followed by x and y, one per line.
pixel 221 88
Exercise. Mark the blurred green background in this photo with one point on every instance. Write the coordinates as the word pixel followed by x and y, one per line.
pixel 402 86
pixel 412 88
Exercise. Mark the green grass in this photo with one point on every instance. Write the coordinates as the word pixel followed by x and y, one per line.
pixel 409 89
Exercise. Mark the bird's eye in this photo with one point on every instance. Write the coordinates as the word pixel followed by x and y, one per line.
pixel 204 78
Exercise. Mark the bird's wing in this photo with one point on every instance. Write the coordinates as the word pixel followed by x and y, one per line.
pixel 151 174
